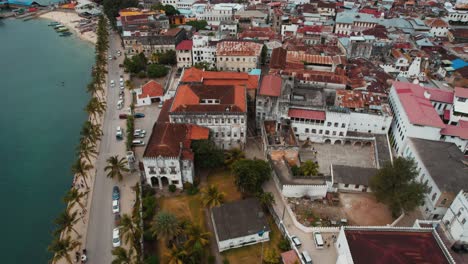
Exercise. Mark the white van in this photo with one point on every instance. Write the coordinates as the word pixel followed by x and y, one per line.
pixel 306 257
pixel 120 104
pixel 318 240
pixel 112 83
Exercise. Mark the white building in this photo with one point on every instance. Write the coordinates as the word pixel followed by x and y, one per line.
pixel 204 50
pixel 221 108
pixel 454 15
pixel 184 54
pixel 240 56
pixel 443 168
pixel 456 217
pixel 439 27
pixel 229 27
pixel 179 4
pixel 240 223
pixel 149 93
pixel 214 14
pixel 168 158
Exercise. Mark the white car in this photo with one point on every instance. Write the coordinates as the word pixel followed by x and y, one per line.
pixel 120 104
pixel 138 143
pixel 119 133
pixel 116 237
pixel 110 57
pixel 115 207
pixel 139 131
pixel 121 80
pixel 296 241
pixel 112 83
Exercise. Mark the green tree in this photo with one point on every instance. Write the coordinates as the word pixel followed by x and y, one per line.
pixel 176 255
pixel 165 225
pixel 116 167
pixel 251 174
pixel 197 238
pixel 263 54
pixel 90 132
pixel 203 65
pixel 157 70
pixel 266 199
pixel 95 108
pixel 74 196
pixel 396 186
pixel 232 156
pixel 168 58
pixel 112 7
pixel 87 150
pixel 80 168
pixel 60 248
pixel 271 256
pixel 198 24
pixel 136 64
pixel 309 168
pixel 207 154
pixel 66 220
pixel 211 196
pixel 122 256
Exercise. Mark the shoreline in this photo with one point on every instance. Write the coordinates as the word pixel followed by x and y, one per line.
pixel 66 18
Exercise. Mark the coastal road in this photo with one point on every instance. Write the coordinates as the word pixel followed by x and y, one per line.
pixel 101 219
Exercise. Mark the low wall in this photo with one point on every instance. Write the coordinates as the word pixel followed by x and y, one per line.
pixel 318 191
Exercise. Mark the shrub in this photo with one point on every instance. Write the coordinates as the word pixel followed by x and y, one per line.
pixel 151 260
pixel 225 261
pixel 211 259
pixel 284 245
pixel 172 188
pixel 157 70
pixel 148 190
pixel 148 236
pixel 296 171
pixel 141 74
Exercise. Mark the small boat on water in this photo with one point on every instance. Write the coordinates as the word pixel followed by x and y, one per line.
pixel 58 26
pixel 53 24
pixel 62 29
pixel 65 34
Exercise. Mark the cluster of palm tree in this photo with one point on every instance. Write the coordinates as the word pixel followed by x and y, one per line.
pixel 63 243
pixel 185 240
pixel 131 233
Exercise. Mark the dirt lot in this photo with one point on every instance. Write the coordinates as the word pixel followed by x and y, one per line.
pixel 359 209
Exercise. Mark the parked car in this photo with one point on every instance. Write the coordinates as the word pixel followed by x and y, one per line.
pixel 296 241
pixel 138 135
pixel 318 240
pixel 115 193
pixel 117 220
pixel 112 83
pixel 121 92
pixel 306 257
pixel 119 133
pixel 115 206
pixel 123 116
pixel 110 57
pixel 160 105
pixel 140 131
pixel 139 115
pixel 116 237
pixel 120 104
pixel 137 142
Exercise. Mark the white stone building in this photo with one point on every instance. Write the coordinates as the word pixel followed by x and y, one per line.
pixel 438 27
pixel 179 4
pixel 240 223
pixel 240 56
pixel 214 14
pixel 442 167
pixel 456 217
pixel 221 108
pixel 203 50
pixel 184 54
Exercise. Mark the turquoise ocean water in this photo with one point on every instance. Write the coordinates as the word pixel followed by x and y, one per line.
pixel 43 79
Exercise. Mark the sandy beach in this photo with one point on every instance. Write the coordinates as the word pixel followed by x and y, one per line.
pixel 66 18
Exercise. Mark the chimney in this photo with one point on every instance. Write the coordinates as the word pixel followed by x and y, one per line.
pixel 427 95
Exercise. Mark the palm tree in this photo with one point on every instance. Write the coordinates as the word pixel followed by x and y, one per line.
pixel 197 239
pixel 212 197
pixel 81 168
pixel 122 256
pixel 95 108
pixel 309 168
pixel 232 156
pixel 74 196
pixel 128 229
pixel 176 255
pixel 61 247
pixel 91 132
pixel 165 225
pixel 87 150
pixel 116 167
pixel 266 199
pixel 66 220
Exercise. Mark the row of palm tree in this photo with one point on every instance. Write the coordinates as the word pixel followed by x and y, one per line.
pixel 63 243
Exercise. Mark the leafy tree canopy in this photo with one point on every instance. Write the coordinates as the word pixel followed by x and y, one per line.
pixel 207 154
pixel 395 185
pixel 251 174
pixel 157 70
pixel 198 24
pixel 136 64
pixel 112 7
pixel 168 9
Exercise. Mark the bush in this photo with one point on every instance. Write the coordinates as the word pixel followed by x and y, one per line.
pixel 148 190
pixel 149 207
pixel 148 236
pixel 284 245
pixel 141 75
pixel 157 70
pixel 225 261
pixel 151 260
pixel 172 188
pixel 211 259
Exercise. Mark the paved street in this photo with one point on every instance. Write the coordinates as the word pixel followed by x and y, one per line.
pixel 101 222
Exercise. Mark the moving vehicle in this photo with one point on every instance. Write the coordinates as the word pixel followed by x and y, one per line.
pixel 123 116
pixel 318 240
pixel 115 206
pixel 119 133
pixel 120 104
pixel 112 83
pixel 138 143
pixel 296 241
pixel 306 257
pixel 115 193
pixel 116 237
pixel 139 115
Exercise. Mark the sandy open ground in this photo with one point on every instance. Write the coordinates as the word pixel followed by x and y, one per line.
pixel 66 19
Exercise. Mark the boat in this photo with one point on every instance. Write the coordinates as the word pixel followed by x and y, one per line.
pixel 62 29
pixel 65 34
pixel 58 26
pixel 53 24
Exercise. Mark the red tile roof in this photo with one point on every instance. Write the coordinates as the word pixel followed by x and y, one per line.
pixel 461 92
pixel 238 48
pixel 195 75
pixel 151 89
pixel 418 108
pixel 306 114
pixel 192 75
pixel 436 22
pixel 185 45
pixel 461 130
pixel 271 85
pixel 394 247
pixel 440 95
pixel 231 99
pixel 289 257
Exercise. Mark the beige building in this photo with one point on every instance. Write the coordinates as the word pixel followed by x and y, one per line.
pixel 240 56
pixel 184 54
